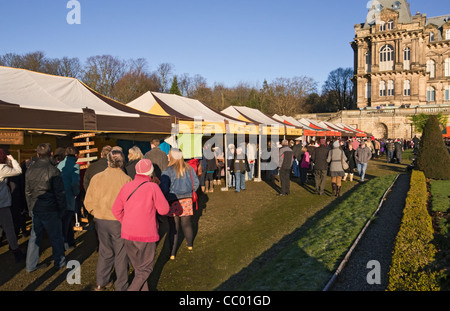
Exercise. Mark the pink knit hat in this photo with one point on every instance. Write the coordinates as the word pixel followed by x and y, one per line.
pixel 144 167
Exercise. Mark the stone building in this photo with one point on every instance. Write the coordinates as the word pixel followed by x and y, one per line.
pixel 401 60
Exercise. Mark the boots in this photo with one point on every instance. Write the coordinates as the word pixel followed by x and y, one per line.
pixel 345 177
pixel 334 186
pixel 338 191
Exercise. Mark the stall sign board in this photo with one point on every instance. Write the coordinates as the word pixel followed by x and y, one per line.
pixel 11 137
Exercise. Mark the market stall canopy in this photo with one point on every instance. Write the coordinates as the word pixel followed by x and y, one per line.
pixel 358 132
pixel 186 111
pixel 32 100
pixel 255 116
pixel 446 132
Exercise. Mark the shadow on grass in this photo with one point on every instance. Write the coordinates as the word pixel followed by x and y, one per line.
pixel 236 280
pixel 164 254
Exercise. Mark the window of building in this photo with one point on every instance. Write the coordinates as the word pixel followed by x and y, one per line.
pixel 390 25
pixel 368 91
pixel 390 88
pixel 387 58
pixel 447 34
pixel 382 26
pixel 382 88
pixel 431 94
pixel 431 36
pixel 407 58
pixel 447 67
pixel 447 93
pixel 407 88
pixel 431 68
pixel 368 64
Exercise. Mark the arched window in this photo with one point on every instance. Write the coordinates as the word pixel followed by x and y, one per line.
pixel 391 88
pixel 382 88
pixel 431 94
pixel 387 58
pixel 390 24
pixel 407 58
pixel 382 26
pixel 447 93
pixel 431 68
pixel 407 88
pixel 447 67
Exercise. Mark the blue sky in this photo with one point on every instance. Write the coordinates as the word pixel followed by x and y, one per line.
pixel 224 41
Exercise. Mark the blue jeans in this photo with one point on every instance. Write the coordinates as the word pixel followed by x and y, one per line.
pixel 251 174
pixel 50 222
pixel 296 168
pixel 389 155
pixel 240 181
pixel 361 167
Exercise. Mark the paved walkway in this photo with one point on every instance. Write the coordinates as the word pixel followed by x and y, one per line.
pixel 376 244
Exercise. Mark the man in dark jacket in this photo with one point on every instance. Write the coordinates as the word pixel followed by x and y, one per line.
pixel 319 158
pixel 298 154
pixel 286 158
pixel 158 157
pixel 46 199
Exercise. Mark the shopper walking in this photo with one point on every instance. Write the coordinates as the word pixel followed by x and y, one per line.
pixel 335 158
pixel 100 196
pixel 350 155
pixel 136 207
pixel 319 158
pixel 158 158
pixel 178 183
pixel 362 156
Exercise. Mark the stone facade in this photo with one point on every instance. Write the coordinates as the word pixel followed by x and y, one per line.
pixel 400 59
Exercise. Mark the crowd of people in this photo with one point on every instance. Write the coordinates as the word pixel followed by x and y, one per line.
pixel 128 197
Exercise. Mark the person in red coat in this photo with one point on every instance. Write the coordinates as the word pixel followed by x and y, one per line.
pixel 136 207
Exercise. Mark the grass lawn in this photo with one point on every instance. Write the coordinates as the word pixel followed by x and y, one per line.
pixel 238 237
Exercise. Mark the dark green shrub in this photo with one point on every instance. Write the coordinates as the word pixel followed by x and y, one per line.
pixel 433 158
pixel 414 252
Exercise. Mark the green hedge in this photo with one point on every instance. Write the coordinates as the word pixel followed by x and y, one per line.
pixel 413 251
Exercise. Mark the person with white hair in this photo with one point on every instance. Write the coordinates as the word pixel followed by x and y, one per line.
pixel 136 207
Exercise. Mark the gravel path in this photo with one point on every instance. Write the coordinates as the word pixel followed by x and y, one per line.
pixel 376 243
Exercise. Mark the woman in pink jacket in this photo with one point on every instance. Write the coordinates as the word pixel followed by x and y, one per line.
pixel 136 207
pixel 304 165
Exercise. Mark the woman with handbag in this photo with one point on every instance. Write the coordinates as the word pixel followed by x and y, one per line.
pixel 338 164
pixel 179 184
pixel 136 208
pixel 350 154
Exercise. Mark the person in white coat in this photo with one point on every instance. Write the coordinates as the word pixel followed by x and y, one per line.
pixel 9 167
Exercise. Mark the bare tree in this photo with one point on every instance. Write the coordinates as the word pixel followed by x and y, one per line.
pixel 339 88
pixel 164 72
pixel 102 72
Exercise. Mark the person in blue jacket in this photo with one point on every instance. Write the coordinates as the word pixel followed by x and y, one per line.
pixel 70 172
